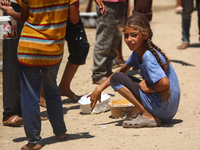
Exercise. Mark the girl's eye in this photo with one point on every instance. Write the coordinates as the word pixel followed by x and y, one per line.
pixel 133 35
pixel 126 36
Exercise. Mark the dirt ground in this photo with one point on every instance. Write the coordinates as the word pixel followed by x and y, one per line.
pixel 101 131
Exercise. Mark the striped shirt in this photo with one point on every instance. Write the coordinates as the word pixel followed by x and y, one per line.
pixel 13 1
pixel 42 39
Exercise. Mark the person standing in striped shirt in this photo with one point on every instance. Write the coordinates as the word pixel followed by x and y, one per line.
pixel 40 52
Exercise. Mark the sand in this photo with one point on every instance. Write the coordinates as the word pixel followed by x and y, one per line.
pixel 101 131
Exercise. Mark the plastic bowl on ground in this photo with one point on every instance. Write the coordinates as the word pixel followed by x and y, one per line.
pixel 99 107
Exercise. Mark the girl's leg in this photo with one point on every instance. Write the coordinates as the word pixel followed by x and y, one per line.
pixel 53 99
pixel 126 93
pixel 129 89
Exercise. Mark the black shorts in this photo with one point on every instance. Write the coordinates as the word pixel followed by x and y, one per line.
pixel 78 45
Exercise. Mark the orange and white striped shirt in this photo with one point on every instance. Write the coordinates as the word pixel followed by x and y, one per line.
pixel 42 39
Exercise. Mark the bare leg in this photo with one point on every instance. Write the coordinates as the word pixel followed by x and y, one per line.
pixel 89 6
pixel 64 86
pixel 127 10
pixel 179 7
pixel 119 48
pixel 179 3
pixel 42 99
pixel 119 52
pixel 126 93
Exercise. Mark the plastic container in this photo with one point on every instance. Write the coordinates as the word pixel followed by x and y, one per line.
pixel 99 107
pixel 89 19
pixel 8 27
pixel 122 108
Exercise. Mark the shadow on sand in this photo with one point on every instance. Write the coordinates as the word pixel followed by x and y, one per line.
pixel 52 139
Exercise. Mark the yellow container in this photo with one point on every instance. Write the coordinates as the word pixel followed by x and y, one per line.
pixel 123 108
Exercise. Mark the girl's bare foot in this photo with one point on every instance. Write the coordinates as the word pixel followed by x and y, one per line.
pixel 149 116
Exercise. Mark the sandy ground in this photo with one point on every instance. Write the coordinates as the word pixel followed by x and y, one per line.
pixel 101 131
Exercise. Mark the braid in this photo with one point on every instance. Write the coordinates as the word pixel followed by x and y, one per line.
pixel 149 44
pixel 163 54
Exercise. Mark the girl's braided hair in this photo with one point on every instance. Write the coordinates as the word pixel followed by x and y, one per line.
pixel 141 24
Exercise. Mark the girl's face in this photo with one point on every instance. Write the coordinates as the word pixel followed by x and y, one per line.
pixel 134 39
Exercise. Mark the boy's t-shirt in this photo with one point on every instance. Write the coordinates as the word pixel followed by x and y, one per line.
pixel 42 39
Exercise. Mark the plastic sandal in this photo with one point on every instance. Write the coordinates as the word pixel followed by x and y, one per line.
pixel 140 122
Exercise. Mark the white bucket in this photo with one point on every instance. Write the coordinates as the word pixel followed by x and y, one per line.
pixel 8 27
pixel 89 19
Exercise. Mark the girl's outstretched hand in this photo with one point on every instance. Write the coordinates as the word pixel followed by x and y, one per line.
pixel 94 97
pixel 102 8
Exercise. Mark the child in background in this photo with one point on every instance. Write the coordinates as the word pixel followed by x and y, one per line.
pixel 107 39
pixel 78 47
pixel 40 51
pixel 157 95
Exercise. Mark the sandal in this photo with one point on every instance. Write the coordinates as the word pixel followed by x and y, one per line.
pixel 140 122
pixel 117 63
pixel 30 146
pixel 13 121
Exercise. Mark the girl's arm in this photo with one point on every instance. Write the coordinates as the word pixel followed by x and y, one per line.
pixel 96 94
pixel 162 85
